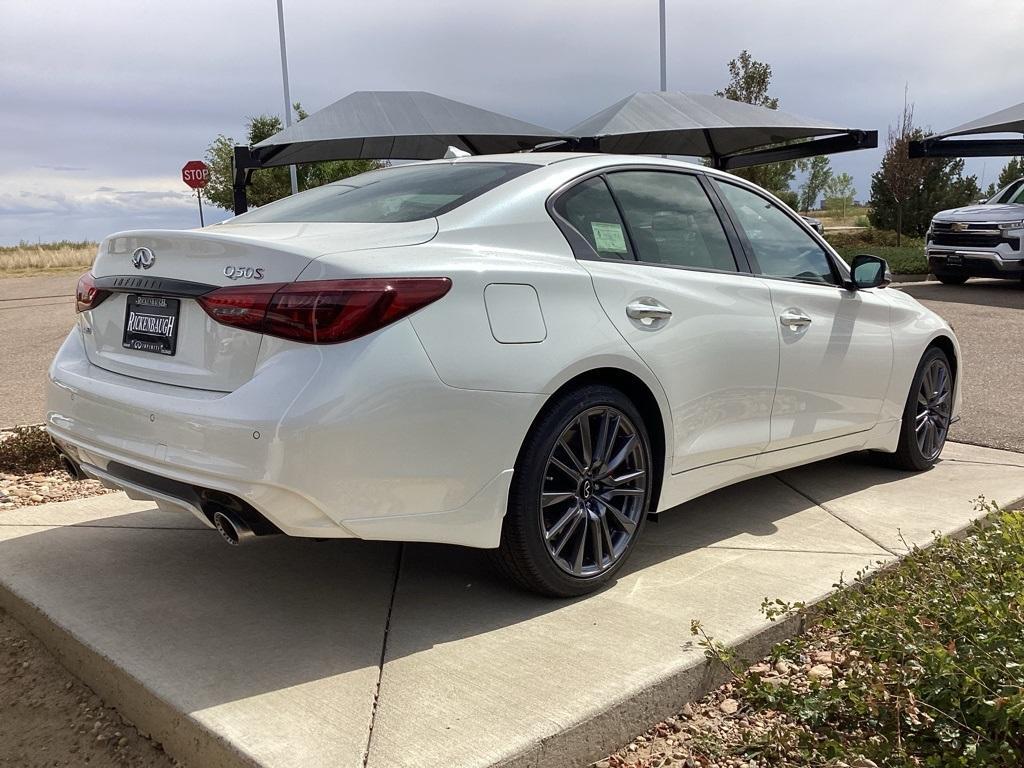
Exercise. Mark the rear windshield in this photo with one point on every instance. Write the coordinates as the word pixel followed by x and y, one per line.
pixel 400 193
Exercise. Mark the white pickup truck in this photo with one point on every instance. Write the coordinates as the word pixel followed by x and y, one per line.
pixel 981 240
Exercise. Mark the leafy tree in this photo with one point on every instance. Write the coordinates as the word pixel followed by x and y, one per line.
pixel 819 173
pixel 906 193
pixel 749 80
pixel 839 193
pixel 790 198
pixel 271 183
pixel 1012 171
pixel 896 173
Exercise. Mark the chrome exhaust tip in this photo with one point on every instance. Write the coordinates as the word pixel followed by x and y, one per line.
pixel 68 465
pixel 231 529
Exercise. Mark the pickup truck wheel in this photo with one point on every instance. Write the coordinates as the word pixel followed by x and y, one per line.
pixel 952 279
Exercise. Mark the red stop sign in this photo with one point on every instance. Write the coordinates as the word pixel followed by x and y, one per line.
pixel 195 173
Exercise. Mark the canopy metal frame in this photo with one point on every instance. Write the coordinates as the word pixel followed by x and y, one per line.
pixel 947 143
pixel 711 123
pixel 941 147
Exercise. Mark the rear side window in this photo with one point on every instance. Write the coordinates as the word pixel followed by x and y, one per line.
pixel 671 220
pixel 782 248
pixel 401 193
pixel 589 208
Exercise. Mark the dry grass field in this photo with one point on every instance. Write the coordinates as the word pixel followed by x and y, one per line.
pixel 856 216
pixel 46 258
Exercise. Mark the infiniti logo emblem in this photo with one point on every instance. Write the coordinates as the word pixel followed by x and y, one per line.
pixel 143 258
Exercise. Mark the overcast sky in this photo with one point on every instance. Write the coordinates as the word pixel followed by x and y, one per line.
pixel 102 101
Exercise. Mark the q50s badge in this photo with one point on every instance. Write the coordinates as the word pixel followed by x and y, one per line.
pixel 243 273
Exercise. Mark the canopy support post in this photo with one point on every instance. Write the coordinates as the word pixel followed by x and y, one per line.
pixel 242 172
pixel 716 159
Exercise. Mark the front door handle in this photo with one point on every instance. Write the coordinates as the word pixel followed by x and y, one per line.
pixel 647 310
pixel 794 318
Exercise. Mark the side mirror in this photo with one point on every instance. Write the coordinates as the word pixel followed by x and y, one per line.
pixel 869 272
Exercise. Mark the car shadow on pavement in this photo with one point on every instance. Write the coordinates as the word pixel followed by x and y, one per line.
pixel 988 293
pixel 204 624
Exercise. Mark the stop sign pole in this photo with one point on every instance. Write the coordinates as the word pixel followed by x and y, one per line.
pixel 196 174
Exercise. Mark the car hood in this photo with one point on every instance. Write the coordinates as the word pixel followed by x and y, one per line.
pixel 974 213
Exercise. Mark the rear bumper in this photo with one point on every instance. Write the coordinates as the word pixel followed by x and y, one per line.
pixel 355 440
pixel 974 262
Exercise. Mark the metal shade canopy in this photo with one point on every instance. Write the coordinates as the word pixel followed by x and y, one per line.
pixel 729 132
pixel 408 125
pixel 1009 120
pixel 415 125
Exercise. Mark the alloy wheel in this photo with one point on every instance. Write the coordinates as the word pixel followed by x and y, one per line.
pixel 594 492
pixel 931 422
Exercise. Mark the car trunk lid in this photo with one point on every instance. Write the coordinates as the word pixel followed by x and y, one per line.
pixel 155 276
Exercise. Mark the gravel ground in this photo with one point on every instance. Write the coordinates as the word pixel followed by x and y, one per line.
pixel 708 733
pixel 51 719
pixel 44 488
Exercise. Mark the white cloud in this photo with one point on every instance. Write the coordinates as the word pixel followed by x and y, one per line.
pixel 122 93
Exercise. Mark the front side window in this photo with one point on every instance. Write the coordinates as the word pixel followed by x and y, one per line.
pixel 671 220
pixel 782 248
pixel 397 194
pixel 589 208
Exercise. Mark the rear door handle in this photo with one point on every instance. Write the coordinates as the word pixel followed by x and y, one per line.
pixel 647 310
pixel 794 318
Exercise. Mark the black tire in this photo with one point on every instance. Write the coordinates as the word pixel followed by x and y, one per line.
pixel 525 556
pixel 910 455
pixel 952 279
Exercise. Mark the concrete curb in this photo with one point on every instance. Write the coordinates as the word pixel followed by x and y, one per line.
pixel 194 744
pixel 181 736
pixel 602 734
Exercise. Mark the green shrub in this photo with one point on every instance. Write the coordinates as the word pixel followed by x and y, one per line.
pixel 861 221
pixel 934 659
pixel 27 449
pixel 902 261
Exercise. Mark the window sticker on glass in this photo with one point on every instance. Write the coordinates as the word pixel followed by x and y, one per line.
pixel 608 237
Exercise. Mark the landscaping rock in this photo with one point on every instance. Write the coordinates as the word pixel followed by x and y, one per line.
pixel 820 672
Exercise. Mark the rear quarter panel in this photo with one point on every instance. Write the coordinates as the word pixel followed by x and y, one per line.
pixel 513 242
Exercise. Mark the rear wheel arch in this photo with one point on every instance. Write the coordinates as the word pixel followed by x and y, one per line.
pixel 645 401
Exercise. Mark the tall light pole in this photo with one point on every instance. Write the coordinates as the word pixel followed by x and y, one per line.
pixel 287 96
pixel 661 15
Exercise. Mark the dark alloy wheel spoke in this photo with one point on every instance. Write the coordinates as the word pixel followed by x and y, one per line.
pixel 931 419
pixel 594 491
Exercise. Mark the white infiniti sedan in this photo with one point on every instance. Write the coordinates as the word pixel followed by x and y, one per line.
pixel 529 353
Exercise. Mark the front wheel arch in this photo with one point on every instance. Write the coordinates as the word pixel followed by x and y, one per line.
pixel 949 348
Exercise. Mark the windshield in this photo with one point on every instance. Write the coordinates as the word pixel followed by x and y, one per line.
pixel 400 193
pixel 1011 193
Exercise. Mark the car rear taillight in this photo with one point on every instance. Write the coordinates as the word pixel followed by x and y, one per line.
pixel 322 311
pixel 87 295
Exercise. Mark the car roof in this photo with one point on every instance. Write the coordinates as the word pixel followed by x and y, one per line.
pixel 580 159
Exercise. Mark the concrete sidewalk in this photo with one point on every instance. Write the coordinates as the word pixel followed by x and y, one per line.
pixel 347 653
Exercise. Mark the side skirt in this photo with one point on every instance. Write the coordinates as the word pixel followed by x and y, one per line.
pixel 684 486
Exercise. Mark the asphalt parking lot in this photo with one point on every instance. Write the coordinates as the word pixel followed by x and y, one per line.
pixel 988 317
pixel 36 313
